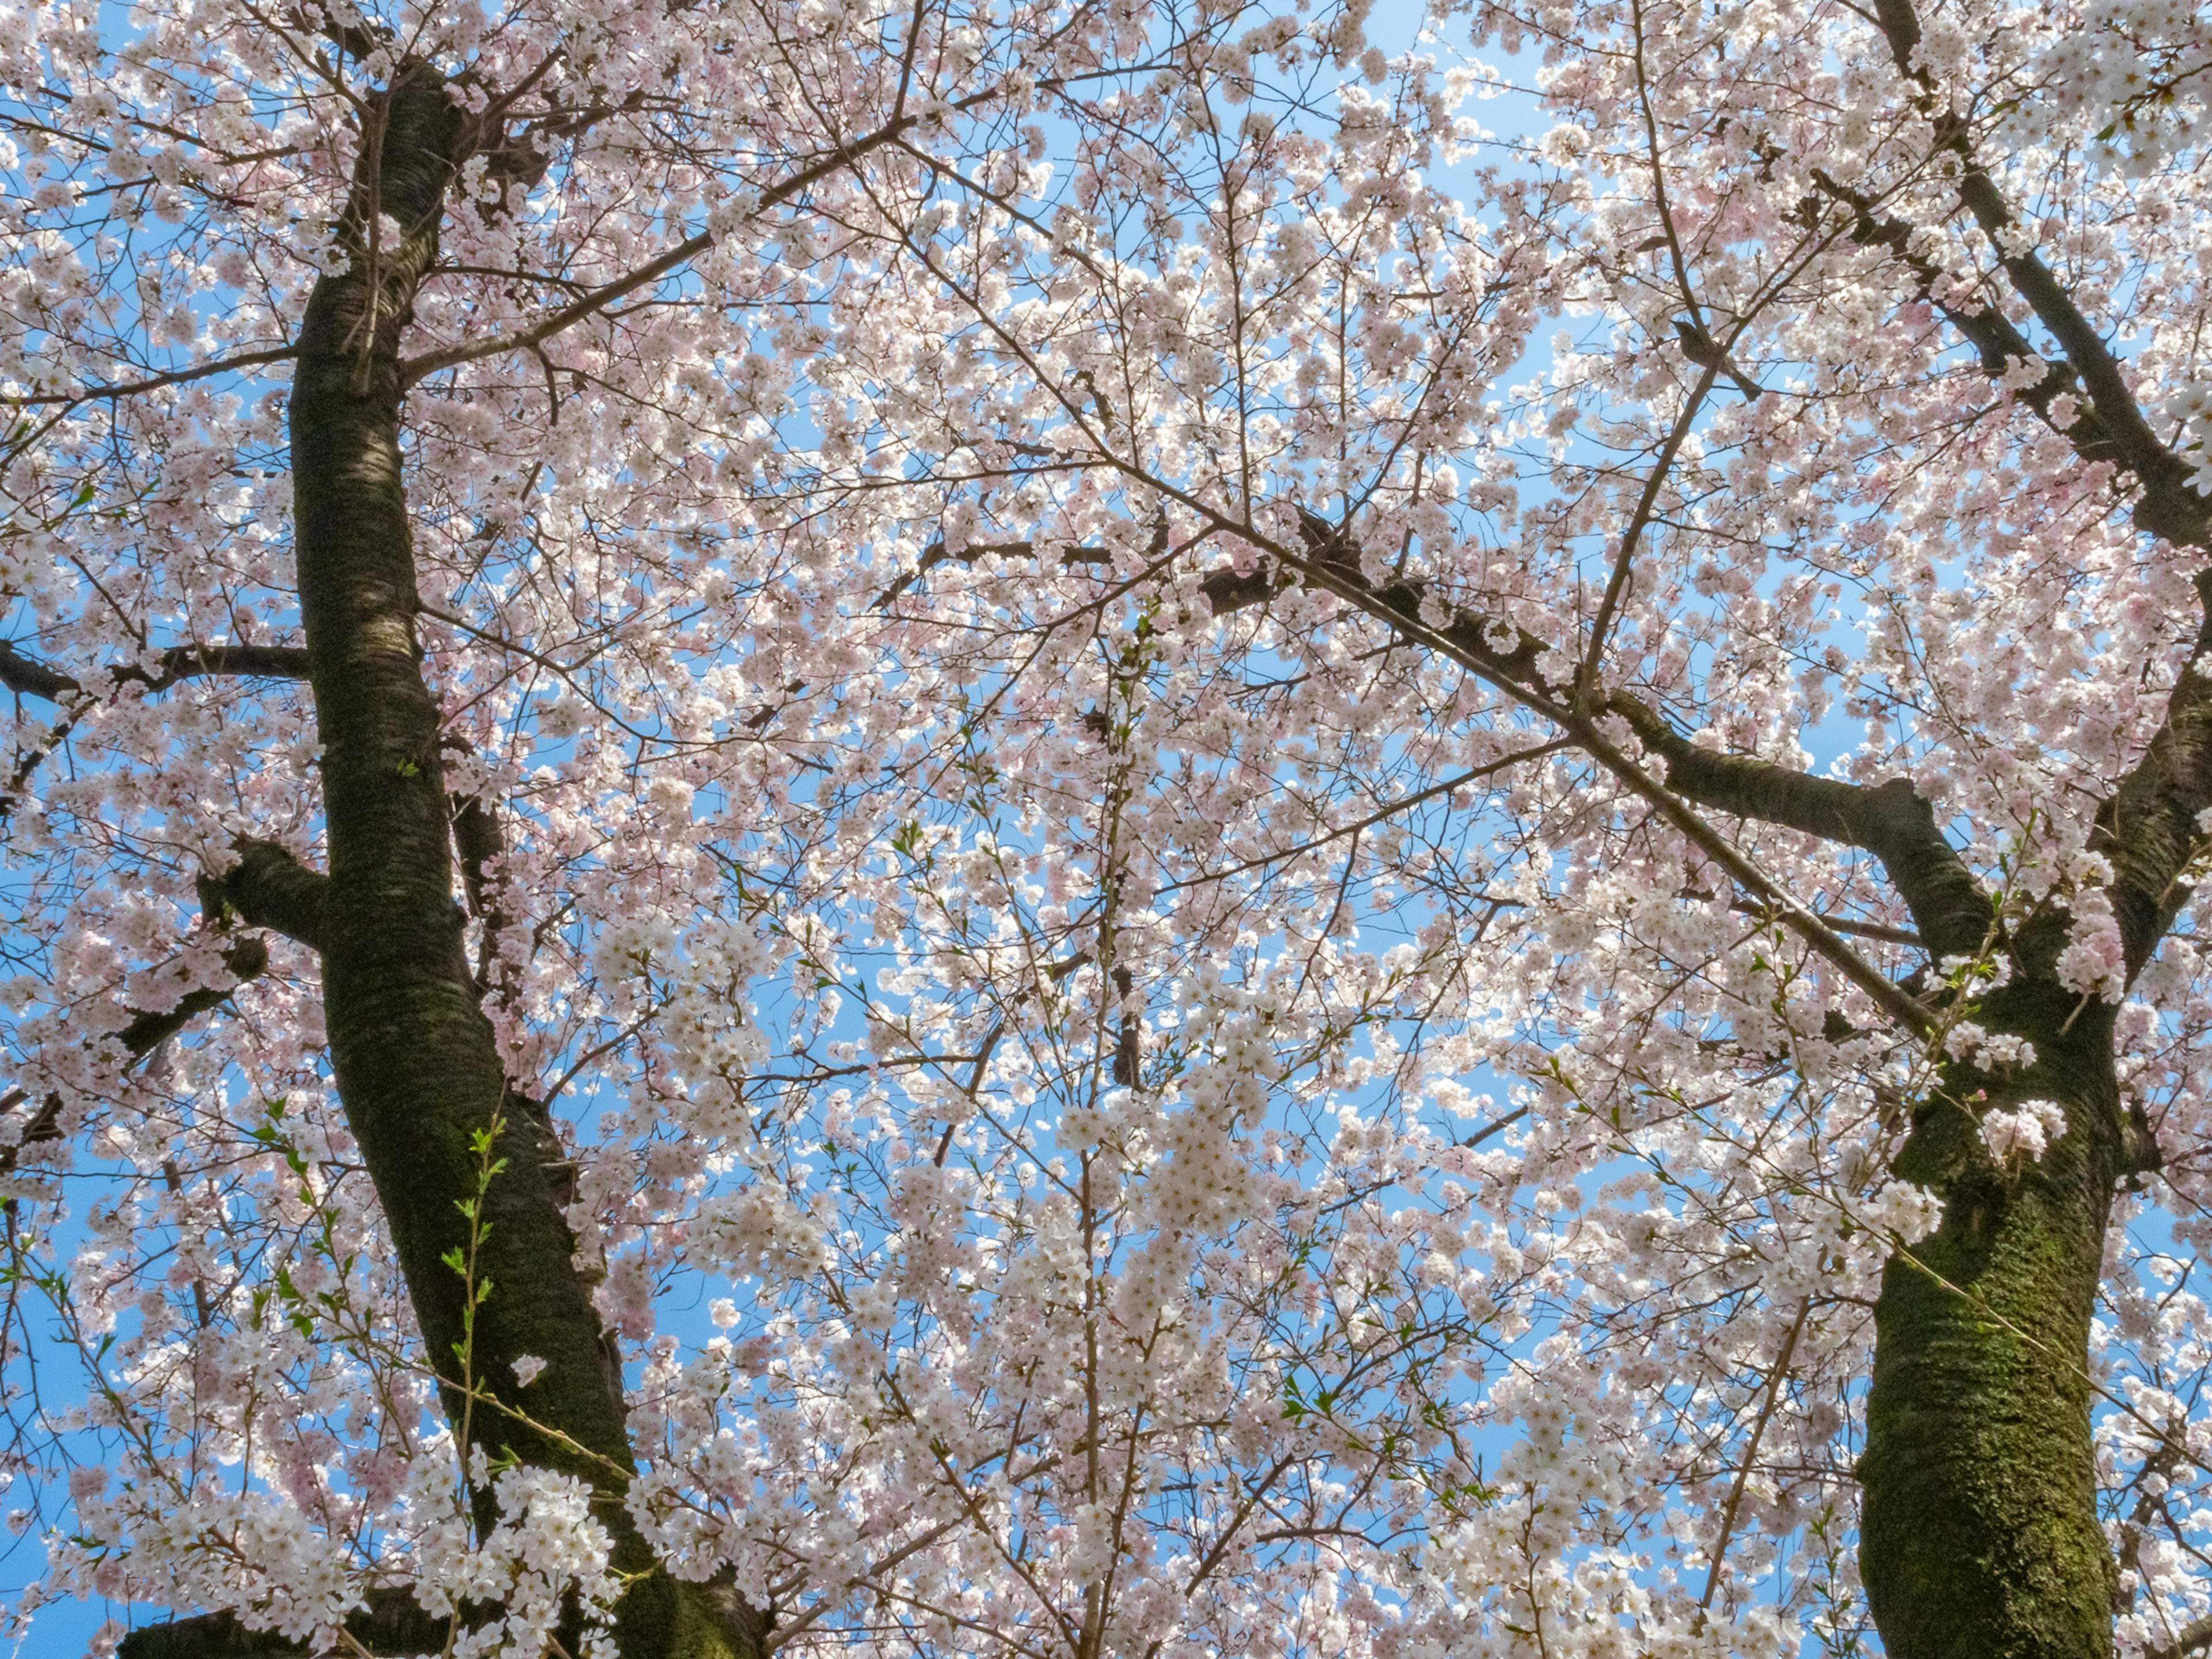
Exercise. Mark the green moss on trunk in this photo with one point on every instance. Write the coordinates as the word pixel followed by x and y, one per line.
pixel 1979 1537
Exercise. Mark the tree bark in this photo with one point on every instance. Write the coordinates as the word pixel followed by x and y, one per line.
pixel 393 1622
pixel 418 1072
pixel 1979 1534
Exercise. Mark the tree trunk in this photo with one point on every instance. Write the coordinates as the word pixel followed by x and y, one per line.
pixel 418 1072
pixel 1979 1537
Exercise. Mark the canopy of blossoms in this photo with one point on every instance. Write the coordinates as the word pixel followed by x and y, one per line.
pixel 1184 830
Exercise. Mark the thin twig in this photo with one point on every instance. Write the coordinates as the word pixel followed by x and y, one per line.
pixel 132 388
pixel 1374 817
pixel 432 362
pixel 1624 561
pixel 1774 1377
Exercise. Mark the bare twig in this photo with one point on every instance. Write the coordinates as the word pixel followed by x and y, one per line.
pixel 1774 1377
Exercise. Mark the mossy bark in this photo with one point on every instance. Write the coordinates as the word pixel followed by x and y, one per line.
pixel 1979 1537
pixel 1980 1534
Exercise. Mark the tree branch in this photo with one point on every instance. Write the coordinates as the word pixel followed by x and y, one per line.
pixel 1998 343
pixel 184 662
pixel 1445 786
pixel 480 841
pixel 248 959
pixel 2148 828
pixel 29 677
pixel 1326 559
pixel 1226 588
pixel 415 369
pixel 2191 1638
pixel 153 383
pixel 1775 1374
pixel 393 1622
pixel 1888 820
pixel 1616 587
pixel 1848 929
pixel 2170 508
pixel 1891 822
pixel 268 887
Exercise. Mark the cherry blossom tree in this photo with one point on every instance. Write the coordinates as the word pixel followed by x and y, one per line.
pixel 1342 886
pixel 1884 379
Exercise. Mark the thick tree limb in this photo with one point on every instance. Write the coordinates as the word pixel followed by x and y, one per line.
pixel 28 677
pixel 1326 559
pixel 2148 829
pixel 480 841
pixel 184 662
pixel 1805 922
pixel 248 959
pixel 2170 508
pixel 392 1623
pixel 2192 1637
pixel 1998 343
pixel 477 840
pixel 268 887
pixel 1890 822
